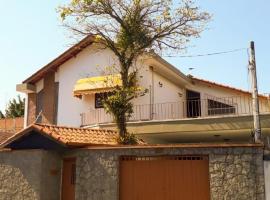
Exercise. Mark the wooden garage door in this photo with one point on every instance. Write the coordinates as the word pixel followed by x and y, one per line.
pixel 164 178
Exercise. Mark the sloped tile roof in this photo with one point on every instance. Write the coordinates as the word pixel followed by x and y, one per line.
pixel 4 135
pixel 69 136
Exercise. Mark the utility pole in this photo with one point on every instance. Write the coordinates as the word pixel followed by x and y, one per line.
pixel 255 100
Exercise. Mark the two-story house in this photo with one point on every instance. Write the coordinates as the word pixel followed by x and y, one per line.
pixel 64 161
pixel 176 108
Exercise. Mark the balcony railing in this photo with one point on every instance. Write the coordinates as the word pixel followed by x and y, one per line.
pixel 200 108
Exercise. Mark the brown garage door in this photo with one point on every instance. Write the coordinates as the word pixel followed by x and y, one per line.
pixel 164 178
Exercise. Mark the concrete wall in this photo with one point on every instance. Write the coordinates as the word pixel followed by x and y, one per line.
pixel 29 175
pixel 267 179
pixel 235 173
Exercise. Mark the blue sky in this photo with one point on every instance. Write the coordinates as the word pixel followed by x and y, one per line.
pixel 31 36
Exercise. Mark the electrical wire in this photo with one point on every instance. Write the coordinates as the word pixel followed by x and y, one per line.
pixel 208 54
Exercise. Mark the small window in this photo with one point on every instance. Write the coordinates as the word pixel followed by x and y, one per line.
pixel 218 108
pixel 99 97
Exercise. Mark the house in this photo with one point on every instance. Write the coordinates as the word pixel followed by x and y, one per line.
pixel 69 150
pixel 177 108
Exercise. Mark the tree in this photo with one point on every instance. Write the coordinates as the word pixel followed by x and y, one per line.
pixel 132 29
pixel 15 108
pixel 2 116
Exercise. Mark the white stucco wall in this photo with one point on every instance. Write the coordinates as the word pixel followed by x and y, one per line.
pixel 164 96
pixel 87 63
pixel 165 91
pixel 241 101
pixel 92 62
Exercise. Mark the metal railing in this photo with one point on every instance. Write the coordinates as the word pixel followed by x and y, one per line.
pixel 197 108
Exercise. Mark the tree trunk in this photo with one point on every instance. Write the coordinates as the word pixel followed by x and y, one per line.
pixel 122 122
pixel 122 125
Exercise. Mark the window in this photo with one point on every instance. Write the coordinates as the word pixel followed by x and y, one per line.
pixel 99 97
pixel 218 108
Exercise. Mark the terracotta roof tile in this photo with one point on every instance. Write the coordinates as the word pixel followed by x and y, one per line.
pixel 4 135
pixel 223 86
pixel 69 136
pixel 79 136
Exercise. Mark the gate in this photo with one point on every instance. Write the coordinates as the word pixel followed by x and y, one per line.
pixel 164 177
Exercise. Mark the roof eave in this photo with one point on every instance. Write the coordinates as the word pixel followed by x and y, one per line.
pixel 52 66
pixel 224 86
pixel 171 67
pixel 26 132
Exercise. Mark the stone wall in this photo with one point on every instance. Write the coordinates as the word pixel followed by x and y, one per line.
pixel 29 175
pixel 267 179
pixel 235 173
pixel 267 174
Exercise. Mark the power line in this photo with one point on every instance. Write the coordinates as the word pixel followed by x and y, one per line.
pixel 208 54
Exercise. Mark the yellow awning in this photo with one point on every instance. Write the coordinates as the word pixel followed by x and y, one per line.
pixel 96 84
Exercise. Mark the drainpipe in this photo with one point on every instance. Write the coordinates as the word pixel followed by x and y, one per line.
pixel 152 93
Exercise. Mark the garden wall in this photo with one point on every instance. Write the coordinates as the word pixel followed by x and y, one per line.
pixel 235 173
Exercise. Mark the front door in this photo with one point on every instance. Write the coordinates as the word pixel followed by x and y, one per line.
pixel 68 179
pixel 193 104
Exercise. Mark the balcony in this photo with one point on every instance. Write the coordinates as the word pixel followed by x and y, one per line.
pixel 203 108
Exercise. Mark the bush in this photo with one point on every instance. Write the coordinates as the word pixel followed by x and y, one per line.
pixel 129 138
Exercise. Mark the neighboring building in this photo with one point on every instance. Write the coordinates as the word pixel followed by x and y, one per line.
pixel 11 124
pixel 177 108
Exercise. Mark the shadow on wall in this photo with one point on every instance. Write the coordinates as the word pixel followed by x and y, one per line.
pixel 25 175
pixel 19 177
